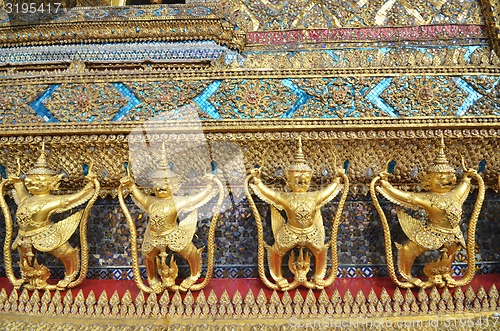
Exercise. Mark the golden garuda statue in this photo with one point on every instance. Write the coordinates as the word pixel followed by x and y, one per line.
pixel 37 232
pixel 165 234
pixel 442 202
pixel 303 228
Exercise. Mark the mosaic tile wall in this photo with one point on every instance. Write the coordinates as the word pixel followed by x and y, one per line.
pixel 360 239
pixel 341 97
pixel 301 14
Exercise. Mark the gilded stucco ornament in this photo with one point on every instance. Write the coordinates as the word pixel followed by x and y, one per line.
pixel 441 231
pixel 164 234
pixel 303 228
pixel 37 233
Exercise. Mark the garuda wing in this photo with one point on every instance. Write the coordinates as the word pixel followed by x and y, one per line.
pixel 427 236
pixel 332 196
pixel 411 226
pixel 58 233
pixel 188 226
pixel 277 221
pixel 318 223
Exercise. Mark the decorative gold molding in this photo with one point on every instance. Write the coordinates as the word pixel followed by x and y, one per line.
pixel 377 141
pixel 383 127
pixel 146 28
pixel 426 309
pixel 176 72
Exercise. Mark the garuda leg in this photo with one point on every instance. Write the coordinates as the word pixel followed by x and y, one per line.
pixel 69 257
pixel 275 267
pixel 193 256
pixel 318 277
pixel 449 255
pixel 152 269
pixel 407 254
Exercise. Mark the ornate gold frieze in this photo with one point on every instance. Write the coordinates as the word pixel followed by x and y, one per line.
pixel 377 141
pixel 263 69
pixel 448 309
pixel 173 23
pixel 228 23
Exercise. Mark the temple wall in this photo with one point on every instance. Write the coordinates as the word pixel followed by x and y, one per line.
pixel 364 81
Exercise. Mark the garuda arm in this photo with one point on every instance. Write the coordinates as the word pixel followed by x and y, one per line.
pixel 399 197
pixel 461 191
pixel 276 199
pixel 140 198
pixel 20 192
pixel 63 203
pixel 411 227
pixel 264 192
pixel 328 193
pixel 190 203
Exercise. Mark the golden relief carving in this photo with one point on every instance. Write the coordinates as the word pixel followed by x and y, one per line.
pixel 401 139
pixel 443 205
pixel 423 310
pixel 253 97
pixel 303 227
pixel 14 102
pixel 164 234
pixel 424 95
pixel 181 28
pixel 74 102
pixel 37 233
pixel 163 98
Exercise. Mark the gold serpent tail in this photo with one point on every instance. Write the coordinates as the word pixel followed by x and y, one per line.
pixel 471 235
pixel 260 238
pixel 133 244
pixel 333 237
pixel 387 238
pixel 84 248
pixel 7 254
pixel 211 240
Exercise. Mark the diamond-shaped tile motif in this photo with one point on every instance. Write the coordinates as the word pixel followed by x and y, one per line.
pixel 326 97
pixel 117 274
pixel 14 105
pixel 488 88
pixel 208 109
pixel 39 103
pixel 253 98
pixel 162 100
pixel 374 96
pixel 457 270
pixel 367 272
pixel 423 96
pixel 85 103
